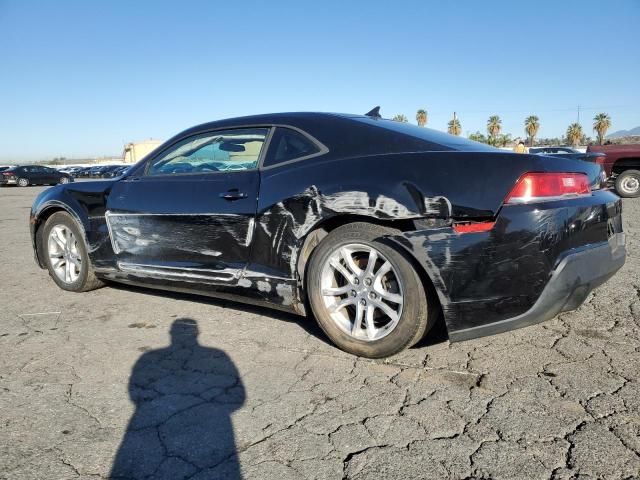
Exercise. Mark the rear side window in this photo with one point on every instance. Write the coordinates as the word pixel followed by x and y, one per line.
pixel 287 144
pixel 418 138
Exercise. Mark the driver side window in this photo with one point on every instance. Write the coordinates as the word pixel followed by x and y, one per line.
pixel 220 151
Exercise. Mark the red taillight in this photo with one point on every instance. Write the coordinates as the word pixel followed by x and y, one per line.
pixel 473 227
pixel 545 186
pixel 7 174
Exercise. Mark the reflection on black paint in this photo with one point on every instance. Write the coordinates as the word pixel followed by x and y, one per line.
pixel 184 395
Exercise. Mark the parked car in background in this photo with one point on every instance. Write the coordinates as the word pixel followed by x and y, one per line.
pixel 83 172
pixel 73 171
pixel 116 171
pixel 111 171
pixel 77 171
pixel 104 171
pixel 550 150
pixel 356 219
pixel 26 175
pixel 94 172
pixel 622 165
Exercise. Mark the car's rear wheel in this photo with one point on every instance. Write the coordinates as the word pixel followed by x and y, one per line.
pixel 628 184
pixel 365 294
pixel 64 180
pixel 65 254
pixel 23 182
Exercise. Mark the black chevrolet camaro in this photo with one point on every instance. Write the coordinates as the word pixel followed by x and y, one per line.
pixel 375 227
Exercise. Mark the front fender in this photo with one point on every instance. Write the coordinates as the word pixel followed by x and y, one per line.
pixel 48 202
pixel 84 201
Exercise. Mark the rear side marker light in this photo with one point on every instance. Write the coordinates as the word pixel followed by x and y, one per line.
pixel 473 227
pixel 548 186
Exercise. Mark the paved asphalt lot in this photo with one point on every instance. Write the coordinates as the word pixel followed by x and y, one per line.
pixel 118 381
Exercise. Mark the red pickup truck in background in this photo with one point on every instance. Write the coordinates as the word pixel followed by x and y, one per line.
pixel 622 166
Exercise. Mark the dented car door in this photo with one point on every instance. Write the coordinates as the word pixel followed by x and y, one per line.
pixel 188 215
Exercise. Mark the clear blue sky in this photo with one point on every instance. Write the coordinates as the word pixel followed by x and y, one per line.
pixel 80 78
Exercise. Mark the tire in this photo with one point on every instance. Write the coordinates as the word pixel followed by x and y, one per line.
pixel 23 182
pixel 411 318
pixel 63 180
pixel 628 184
pixel 83 277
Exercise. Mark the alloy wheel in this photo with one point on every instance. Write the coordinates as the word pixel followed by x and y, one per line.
pixel 23 182
pixel 64 255
pixel 362 292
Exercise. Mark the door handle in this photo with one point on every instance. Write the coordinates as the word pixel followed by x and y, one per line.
pixel 233 194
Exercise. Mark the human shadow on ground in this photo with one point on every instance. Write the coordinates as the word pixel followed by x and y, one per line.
pixel 184 396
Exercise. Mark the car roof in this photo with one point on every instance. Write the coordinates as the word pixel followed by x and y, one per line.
pixel 350 134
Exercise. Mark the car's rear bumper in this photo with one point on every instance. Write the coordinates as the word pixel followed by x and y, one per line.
pixel 570 284
pixel 536 261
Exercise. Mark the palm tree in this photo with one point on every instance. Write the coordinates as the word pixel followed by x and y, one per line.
pixel 494 125
pixel 574 134
pixel 601 123
pixel 478 137
pixel 400 118
pixel 503 140
pixel 454 125
pixel 531 126
pixel 421 117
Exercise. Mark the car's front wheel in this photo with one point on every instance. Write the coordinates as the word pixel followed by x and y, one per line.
pixel 628 184
pixel 65 254
pixel 365 294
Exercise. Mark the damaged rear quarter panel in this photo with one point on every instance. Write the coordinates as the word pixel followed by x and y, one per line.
pixel 296 198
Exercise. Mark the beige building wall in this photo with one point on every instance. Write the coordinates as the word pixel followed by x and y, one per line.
pixel 135 151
